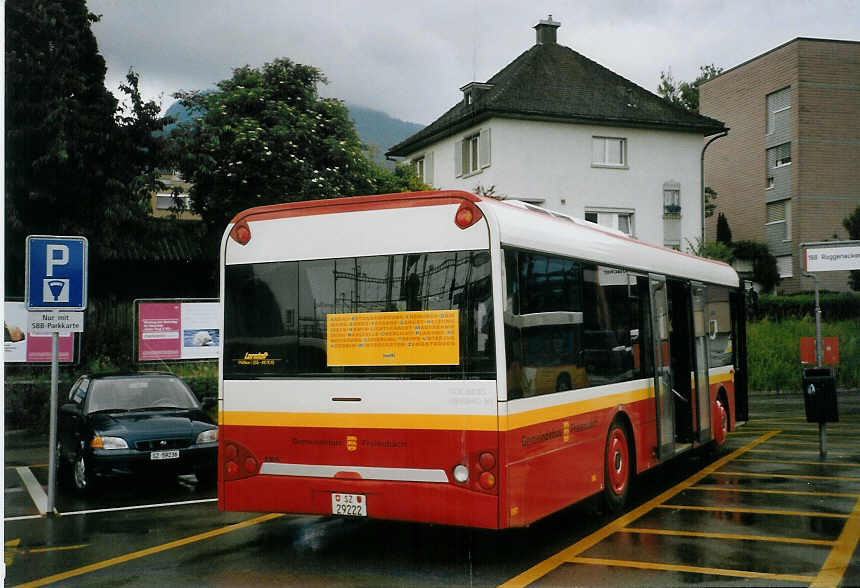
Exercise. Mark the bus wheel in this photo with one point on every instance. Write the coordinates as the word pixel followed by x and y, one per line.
pixel 618 467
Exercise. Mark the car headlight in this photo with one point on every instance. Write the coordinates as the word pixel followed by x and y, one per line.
pixel 209 436
pixel 108 443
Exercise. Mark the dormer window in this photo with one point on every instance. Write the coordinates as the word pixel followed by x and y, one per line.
pixel 472 91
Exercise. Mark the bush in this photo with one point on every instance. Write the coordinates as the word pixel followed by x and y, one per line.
pixel 834 306
pixel 765 271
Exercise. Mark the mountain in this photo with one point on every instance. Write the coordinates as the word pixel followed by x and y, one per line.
pixel 376 129
pixel 380 131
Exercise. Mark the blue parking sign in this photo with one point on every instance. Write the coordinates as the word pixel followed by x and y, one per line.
pixel 56 273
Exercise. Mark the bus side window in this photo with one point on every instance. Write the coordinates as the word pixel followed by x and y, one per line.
pixel 513 340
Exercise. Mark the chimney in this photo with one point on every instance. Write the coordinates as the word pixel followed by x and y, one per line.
pixel 546 30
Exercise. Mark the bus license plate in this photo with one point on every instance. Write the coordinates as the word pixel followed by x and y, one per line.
pixel 171 454
pixel 351 505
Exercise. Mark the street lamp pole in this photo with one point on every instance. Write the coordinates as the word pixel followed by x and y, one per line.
pixel 702 179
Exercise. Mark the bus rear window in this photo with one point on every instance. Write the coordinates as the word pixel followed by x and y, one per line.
pixel 278 315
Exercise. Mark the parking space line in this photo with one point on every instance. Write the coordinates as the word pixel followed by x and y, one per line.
pixel 782 461
pixel 729 536
pixel 644 565
pixel 23 518
pixel 772 511
pixel 837 444
pixel 794 452
pixel 840 556
pixel 149 551
pixel 136 507
pixel 546 566
pixel 33 465
pixel 715 488
pixel 40 499
pixel 790 476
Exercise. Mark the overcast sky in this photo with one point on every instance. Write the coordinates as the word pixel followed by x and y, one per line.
pixel 409 59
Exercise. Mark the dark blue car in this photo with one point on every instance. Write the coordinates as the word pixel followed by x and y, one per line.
pixel 145 423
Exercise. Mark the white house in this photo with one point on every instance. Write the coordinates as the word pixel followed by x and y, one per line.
pixel 559 130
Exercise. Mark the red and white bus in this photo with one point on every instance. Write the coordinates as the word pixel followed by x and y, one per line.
pixel 446 358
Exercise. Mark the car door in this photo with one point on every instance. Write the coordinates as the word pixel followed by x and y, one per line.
pixel 71 420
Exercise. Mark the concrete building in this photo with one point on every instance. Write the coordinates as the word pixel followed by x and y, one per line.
pixel 789 171
pixel 559 130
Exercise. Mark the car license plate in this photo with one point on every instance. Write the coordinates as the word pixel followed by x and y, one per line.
pixel 351 505
pixel 170 454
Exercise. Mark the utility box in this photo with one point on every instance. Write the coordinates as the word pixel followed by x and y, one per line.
pixel 819 395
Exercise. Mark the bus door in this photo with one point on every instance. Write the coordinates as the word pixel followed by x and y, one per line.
pixel 703 404
pixel 660 329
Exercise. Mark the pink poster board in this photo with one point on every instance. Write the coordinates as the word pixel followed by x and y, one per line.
pixel 159 331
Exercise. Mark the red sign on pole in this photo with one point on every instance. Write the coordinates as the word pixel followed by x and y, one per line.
pixel 829 350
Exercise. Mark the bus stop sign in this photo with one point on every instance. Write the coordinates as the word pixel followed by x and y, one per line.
pixel 56 273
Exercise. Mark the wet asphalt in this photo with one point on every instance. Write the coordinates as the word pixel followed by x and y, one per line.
pixel 768 511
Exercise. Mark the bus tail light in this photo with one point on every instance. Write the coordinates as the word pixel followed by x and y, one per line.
pixel 239 462
pixel 241 233
pixel 485 471
pixel 467 215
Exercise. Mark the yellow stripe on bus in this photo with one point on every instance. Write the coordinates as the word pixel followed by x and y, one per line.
pixel 561 411
pixel 467 422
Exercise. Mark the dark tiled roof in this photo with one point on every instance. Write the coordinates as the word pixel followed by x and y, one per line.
pixel 552 82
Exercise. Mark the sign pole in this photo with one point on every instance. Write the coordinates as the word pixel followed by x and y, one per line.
pixel 52 442
pixel 55 289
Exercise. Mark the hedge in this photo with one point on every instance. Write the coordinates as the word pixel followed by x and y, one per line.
pixel 834 306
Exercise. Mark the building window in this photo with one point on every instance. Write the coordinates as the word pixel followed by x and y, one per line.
pixel 777 102
pixel 672 202
pixel 779 156
pixel 418 167
pixel 770 182
pixel 472 154
pixel 165 201
pixel 618 220
pixel 779 215
pixel 783 265
pixel 423 167
pixel 609 151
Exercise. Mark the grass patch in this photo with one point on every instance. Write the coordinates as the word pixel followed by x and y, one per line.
pixel 774 352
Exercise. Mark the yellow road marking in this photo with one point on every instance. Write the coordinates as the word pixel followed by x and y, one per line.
pixel 546 566
pixel 644 565
pixel 840 556
pixel 772 511
pixel 791 476
pixel 13 548
pixel 782 461
pixel 731 536
pixel 715 488
pixel 149 551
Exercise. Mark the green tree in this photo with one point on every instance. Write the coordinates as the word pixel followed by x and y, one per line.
pixel 266 136
pixel 724 233
pixel 852 225
pixel 77 163
pixel 710 205
pixel 686 94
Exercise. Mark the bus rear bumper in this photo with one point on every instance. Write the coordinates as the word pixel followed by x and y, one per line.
pixel 403 501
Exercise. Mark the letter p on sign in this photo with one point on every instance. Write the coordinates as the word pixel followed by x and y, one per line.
pixel 52 259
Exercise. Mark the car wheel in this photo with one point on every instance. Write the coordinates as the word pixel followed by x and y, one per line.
pixel 82 478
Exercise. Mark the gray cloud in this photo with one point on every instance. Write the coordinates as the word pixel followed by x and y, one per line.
pixel 409 59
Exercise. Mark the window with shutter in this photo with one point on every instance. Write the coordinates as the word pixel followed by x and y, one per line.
pixel 777 102
pixel 609 152
pixel 779 156
pixel 472 154
pixel 779 213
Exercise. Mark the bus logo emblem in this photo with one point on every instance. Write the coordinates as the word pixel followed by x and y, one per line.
pixel 351 442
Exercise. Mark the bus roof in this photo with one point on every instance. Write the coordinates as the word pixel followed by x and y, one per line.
pixel 520 224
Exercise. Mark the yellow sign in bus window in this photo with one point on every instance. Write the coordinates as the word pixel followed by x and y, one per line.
pixel 425 337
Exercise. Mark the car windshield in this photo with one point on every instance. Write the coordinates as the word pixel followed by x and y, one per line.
pixel 126 394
